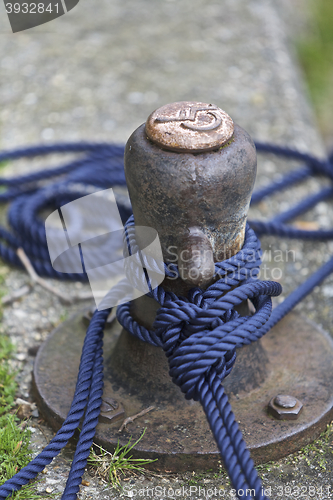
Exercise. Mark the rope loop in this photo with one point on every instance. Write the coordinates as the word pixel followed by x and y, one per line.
pixel 203 330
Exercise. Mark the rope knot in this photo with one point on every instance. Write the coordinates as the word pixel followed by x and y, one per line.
pixel 200 333
pixel 197 340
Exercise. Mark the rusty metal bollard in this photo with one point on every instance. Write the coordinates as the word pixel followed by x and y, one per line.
pixel 190 173
pixel 182 193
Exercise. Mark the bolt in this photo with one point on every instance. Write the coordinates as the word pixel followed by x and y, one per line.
pixel 111 411
pixel 285 407
pixel 109 404
pixel 285 401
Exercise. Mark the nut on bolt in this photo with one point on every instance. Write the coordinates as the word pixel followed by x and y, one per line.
pixel 111 410
pixel 285 407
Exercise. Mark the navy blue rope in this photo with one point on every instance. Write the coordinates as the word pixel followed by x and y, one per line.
pixel 199 333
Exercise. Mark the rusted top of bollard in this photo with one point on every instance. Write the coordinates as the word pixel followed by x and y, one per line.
pixel 192 127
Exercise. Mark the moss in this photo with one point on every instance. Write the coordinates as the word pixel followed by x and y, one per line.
pixel 228 143
pixel 316 453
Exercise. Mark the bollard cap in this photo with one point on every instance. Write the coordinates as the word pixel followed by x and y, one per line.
pixel 191 127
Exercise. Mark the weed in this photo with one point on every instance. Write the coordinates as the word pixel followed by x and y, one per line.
pixel 15 454
pixel 111 465
pixel 64 316
pixel 8 385
pixel 14 447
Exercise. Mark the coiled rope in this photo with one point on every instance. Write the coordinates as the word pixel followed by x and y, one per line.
pixel 199 334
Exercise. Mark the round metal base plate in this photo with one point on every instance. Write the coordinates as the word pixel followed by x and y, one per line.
pixel 177 434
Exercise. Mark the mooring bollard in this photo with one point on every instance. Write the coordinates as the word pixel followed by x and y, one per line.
pixel 182 192
pixel 190 173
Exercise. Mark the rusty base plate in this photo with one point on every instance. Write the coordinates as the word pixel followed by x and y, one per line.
pixel 177 434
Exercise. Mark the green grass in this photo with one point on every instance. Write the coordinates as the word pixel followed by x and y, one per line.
pixel 315 50
pixel 14 440
pixel 6 348
pixel 110 466
pixel 14 447
pixel 8 385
